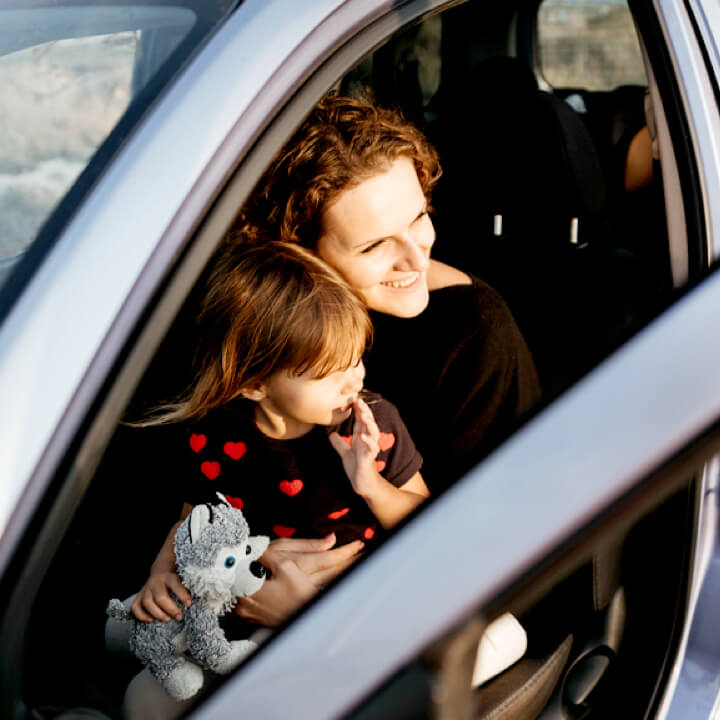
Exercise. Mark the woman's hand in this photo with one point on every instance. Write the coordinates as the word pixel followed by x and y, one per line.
pixel 299 569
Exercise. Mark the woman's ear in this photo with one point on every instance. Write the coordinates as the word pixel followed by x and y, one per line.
pixel 256 393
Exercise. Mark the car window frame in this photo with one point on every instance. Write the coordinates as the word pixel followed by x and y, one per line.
pixel 130 357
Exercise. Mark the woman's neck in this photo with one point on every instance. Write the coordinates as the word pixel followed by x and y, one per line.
pixel 440 275
pixel 276 425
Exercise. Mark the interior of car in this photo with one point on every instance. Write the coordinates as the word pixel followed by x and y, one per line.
pixel 553 192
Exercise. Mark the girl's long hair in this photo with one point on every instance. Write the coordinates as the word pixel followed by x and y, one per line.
pixel 268 307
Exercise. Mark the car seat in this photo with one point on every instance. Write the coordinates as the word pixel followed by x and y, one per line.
pixel 522 204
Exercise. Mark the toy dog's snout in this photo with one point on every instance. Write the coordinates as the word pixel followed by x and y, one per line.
pixel 257 569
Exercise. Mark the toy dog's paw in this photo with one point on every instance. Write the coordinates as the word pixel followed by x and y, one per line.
pixel 239 650
pixel 184 681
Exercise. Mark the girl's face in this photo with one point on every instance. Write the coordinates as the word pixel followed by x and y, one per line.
pixel 378 235
pixel 290 405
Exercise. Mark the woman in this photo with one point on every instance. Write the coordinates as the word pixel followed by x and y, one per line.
pixel 354 184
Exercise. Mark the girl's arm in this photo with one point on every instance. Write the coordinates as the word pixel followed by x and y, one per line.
pixel 388 503
pixel 153 601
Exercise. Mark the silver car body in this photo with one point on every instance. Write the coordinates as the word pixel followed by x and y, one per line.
pixel 573 461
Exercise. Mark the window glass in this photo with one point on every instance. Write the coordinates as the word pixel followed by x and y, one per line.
pixel 61 100
pixel 70 75
pixel 589 43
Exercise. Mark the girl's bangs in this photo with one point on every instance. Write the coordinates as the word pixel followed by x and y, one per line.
pixel 336 344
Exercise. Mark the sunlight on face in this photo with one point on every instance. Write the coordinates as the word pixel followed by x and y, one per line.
pixel 293 404
pixel 378 235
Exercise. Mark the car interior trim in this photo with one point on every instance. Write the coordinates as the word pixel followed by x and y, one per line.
pixel 704 124
pixel 692 681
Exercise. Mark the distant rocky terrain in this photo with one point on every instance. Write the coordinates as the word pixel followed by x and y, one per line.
pixel 590 45
pixel 59 101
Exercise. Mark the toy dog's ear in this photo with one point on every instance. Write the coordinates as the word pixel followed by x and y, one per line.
pixel 200 518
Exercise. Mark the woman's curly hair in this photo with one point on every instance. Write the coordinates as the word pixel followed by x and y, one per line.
pixel 343 142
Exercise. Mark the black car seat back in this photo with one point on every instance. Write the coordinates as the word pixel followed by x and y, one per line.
pixel 522 204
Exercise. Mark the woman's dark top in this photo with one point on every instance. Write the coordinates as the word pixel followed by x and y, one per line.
pixel 460 374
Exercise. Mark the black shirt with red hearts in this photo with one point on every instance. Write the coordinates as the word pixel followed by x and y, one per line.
pixel 290 488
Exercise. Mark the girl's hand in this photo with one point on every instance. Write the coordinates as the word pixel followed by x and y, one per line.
pixel 359 458
pixel 153 602
pixel 388 503
pixel 299 569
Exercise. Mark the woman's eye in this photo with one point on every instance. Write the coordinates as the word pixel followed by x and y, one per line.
pixel 229 561
pixel 372 247
pixel 248 550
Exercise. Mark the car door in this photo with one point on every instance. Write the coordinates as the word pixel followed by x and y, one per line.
pixel 633 434
pixel 400 638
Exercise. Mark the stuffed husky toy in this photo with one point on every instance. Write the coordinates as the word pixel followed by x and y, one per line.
pixel 217 562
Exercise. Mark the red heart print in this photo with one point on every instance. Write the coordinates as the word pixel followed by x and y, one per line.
pixel 291 487
pixel 380 465
pixel 197 442
pixel 235 450
pixel 236 502
pixel 386 441
pixel 282 531
pixel 369 532
pixel 347 439
pixel 210 469
pixel 338 514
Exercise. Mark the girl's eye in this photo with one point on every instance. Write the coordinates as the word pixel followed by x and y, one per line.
pixel 229 561
pixel 421 216
pixel 248 550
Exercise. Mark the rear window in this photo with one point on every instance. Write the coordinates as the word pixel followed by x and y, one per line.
pixel 589 44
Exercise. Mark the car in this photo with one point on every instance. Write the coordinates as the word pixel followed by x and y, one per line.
pixel 579 140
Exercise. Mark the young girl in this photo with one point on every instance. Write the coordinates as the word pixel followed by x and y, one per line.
pixel 280 425
pixel 279 422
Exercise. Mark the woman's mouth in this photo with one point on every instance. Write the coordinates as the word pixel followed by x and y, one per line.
pixel 406 282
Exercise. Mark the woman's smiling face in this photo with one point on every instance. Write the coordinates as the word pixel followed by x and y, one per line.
pixel 378 235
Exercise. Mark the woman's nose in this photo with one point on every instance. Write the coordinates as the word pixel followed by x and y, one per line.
pixel 414 254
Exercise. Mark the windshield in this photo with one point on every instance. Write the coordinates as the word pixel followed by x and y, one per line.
pixel 76 77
